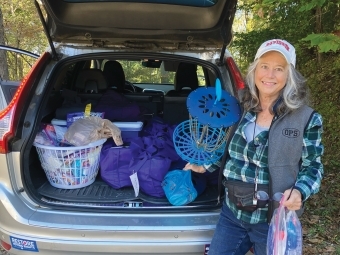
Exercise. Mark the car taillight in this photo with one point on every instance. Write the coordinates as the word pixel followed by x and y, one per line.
pixel 235 72
pixel 7 115
pixel 5 245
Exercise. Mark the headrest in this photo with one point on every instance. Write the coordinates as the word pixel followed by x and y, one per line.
pixel 186 76
pixel 114 74
pixel 94 77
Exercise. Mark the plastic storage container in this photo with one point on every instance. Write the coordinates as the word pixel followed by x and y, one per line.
pixel 128 129
pixel 70 167
pixel 58 122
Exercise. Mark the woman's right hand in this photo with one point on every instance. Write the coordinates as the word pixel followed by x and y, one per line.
pixel 195 168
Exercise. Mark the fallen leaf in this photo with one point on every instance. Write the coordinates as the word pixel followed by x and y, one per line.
pixel 315 240
pixel 330 249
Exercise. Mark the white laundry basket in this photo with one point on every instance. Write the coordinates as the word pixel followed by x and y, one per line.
pixel 70 167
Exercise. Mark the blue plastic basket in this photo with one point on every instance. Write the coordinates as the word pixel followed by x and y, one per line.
pixel 208 151
pixel 202 139
pixel 205 105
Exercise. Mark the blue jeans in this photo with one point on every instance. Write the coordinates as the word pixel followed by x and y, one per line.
pixel 235 237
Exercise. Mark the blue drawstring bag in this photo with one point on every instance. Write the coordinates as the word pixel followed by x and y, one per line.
pixel 178 187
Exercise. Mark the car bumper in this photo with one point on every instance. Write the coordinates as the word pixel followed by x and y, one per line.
pixel 54 231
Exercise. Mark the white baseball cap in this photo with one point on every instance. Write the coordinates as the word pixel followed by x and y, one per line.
pixel 282 46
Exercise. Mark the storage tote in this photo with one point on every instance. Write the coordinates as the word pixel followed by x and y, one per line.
pixel 129 129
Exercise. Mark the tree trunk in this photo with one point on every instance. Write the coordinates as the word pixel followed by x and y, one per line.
pixel 3 57
pixel 20 69
pixel 318 24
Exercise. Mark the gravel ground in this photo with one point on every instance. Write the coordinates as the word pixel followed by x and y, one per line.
pixel 3 252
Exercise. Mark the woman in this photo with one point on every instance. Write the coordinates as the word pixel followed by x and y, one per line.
pixel 276 148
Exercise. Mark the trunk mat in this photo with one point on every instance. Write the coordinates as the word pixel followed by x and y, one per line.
pixel 99 192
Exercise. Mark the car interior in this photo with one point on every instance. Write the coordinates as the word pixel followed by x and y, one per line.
pixel 159 87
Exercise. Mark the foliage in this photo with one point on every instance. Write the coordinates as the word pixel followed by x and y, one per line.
pixel 324 42
pixel 329 41
pixel 272 19
pixel 3 56
pixel 136 73
pixel 298 22
pixel 245 45
pixel 324 85
pixel 23 30
pixel 321 219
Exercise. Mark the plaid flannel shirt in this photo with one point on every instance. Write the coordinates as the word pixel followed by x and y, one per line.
pixel 245 158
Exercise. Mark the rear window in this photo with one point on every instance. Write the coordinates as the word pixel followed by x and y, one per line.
pixel 138 72
pixel 198 3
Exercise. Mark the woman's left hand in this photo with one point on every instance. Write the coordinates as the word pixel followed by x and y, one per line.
pixel 195 168
pixel 294 202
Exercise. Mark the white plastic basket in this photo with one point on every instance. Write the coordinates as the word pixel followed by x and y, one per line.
pixel 70 167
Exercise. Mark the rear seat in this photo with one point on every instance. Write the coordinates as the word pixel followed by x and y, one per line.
pixel 151 101
pixel 114 74
pixel 90 86
pixel 175 101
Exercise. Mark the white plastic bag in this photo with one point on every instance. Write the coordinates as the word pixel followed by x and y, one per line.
pixel 285 233
pixel 86 130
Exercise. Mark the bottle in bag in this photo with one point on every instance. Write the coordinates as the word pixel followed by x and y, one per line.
pixel 294 234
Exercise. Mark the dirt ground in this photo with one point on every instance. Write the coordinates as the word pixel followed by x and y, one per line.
pixel 3 252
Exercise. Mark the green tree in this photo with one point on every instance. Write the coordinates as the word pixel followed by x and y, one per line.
pixel 326 37
pixel 3 56
pixel 304 23
pixel 23 30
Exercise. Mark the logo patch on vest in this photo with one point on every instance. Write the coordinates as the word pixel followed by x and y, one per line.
pixel 291 132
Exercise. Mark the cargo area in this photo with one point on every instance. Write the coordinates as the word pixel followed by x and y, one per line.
pixel 132 104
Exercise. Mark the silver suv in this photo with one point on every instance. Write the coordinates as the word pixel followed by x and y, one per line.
pixel 165 49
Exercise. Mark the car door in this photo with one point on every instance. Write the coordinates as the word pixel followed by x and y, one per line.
pixel 18 62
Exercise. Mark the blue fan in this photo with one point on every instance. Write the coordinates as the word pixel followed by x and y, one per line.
pixel 202 139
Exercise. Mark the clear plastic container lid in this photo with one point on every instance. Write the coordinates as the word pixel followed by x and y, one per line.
pixel 123 126
pixel 58 122
pixel 129 126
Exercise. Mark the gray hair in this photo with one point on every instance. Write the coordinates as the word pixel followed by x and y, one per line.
pixel 294 93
